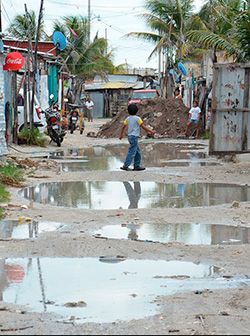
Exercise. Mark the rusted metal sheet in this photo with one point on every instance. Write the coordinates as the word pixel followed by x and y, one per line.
pixel 230 131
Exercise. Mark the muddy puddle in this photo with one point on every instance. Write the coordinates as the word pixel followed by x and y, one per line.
pixel 25 228
pixel 191 234
pixel 111 157
pixel 132 195
pixel 88 290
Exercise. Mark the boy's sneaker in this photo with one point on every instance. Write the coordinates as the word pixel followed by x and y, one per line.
pixel 139 168
pixel 125 168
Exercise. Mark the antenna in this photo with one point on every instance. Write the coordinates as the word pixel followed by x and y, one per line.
pixel 59 40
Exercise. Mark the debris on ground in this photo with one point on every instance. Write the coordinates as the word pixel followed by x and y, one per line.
pixel 167 117
pixel 91 135
pixel 10 181
pixel 75 304
pixel 29 163
pixel 25 163
pixel 235 204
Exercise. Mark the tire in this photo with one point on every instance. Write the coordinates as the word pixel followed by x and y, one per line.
pixel 72 128
pixel 55 137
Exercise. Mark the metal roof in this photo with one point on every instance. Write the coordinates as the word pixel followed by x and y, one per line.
pixel 49 55
pixel 115 86
pixel 117 78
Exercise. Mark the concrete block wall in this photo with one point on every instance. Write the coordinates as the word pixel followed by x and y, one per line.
pixel 3 145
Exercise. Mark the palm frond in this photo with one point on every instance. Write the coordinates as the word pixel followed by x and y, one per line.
pixel 151 37
pixel 208 39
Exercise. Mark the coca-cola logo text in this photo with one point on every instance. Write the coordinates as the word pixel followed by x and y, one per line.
pixel 14 61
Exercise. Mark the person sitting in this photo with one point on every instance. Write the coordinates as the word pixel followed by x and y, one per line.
pixel 177 93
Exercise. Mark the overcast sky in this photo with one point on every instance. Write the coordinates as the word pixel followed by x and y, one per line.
pixel 112 17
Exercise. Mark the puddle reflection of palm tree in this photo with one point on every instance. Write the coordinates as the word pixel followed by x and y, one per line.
pixel 134 194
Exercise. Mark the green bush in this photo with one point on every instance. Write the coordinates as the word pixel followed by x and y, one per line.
pixel 32 137
pixel 11 175
pixel 4 196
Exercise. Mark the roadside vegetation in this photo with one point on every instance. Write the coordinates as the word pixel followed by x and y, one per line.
pixel 32 137
pixel 4 197
pixel 10 175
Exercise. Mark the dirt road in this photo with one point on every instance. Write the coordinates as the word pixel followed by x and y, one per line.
pixel 221 307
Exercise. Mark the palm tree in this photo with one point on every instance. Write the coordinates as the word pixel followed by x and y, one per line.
pixel 84 58
pixel 23 25
pixel 168 21
pixel 223 25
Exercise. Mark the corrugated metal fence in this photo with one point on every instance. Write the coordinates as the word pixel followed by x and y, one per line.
pixel 230 132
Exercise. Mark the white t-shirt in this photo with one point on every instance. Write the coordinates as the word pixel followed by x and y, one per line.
pixel 133 122
pixel 194 113
pixel 89 105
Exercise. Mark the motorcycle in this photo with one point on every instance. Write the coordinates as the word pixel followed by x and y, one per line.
pixel 73 122
pixel 76 118
pixel 54 127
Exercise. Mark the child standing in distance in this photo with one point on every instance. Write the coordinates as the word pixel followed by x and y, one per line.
pixel 133 123
pixel 194 117
pixel 90 106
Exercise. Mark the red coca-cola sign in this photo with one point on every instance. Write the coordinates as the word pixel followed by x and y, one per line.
pixel 14 61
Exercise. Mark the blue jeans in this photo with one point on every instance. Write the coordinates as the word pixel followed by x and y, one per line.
pixel 134 152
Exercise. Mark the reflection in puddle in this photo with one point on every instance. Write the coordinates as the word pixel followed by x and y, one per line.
pixel 192 234
pixel 93 291
pixel 22 229
pixel 198 163
pixel 110 157
pixel 128 195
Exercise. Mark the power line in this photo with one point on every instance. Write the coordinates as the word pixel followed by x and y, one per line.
pixel 12 6
pixel 54 16
pixel 94 6
pixel 1 25
pixel 6 13
pixel 115 28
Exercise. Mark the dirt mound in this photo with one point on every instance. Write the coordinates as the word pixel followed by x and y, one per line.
pixel 168 117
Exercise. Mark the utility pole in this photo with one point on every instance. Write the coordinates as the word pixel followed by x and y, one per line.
pixel 28 72
pixel 89 18
pixel 1 25
pixel 35 67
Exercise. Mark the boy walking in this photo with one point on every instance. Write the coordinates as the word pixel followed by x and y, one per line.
pixel 133 123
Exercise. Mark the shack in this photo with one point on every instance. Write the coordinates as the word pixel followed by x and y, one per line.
pixel 17 84
pixel 110 95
